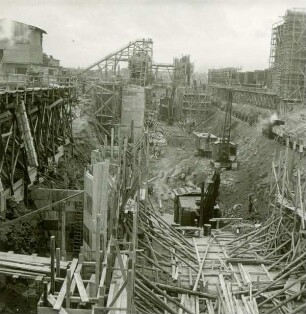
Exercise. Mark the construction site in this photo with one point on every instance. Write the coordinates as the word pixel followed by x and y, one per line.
pixel 130 186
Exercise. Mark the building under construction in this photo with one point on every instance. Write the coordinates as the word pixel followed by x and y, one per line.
pixel 106 207
pixel 287 57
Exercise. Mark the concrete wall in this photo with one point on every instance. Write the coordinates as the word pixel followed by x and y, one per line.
pixel 52 217
pixel 133 108
pixel 95 202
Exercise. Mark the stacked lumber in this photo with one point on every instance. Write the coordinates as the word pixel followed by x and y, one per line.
pixel 26 266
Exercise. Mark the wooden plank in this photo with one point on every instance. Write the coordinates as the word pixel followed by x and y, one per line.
pixel 112 301
pixel 29 259
pixel 37 269
pixel 266 272
pixel 68 286
pixel 52 301
pixel 226 295
pixel 200 270
pixel 73 282
pixel 57 102
pixel 81 287
pixel 224 219
pixel 61 295
pixel 119 259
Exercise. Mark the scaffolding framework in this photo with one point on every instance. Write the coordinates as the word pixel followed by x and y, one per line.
pixel 288 56
pixel 223 76
pixel 138 54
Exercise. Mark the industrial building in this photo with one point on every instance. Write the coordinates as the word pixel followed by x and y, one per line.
pixel 21 50
pixel 21 47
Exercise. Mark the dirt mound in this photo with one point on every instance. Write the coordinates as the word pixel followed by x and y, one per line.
pixel 255 155
pixel 179 167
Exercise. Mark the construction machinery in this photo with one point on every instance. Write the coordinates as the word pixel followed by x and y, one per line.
pixel 224 151
pixel 197 208
pixel 204 143
pixel 267 129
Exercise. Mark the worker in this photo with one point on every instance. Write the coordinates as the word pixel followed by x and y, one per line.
pixel 208 138
pixel 217 211
pixel 150 189
pixel 155 150
pixel 195 221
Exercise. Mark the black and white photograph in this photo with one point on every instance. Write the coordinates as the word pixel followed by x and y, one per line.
pixel 152 156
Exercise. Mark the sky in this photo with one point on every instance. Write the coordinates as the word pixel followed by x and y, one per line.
pixel 215 33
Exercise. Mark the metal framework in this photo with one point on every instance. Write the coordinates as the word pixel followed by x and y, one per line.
pixel 138 54
pixel 183 71
pixel 194 102
pixel 258 98
pixel 224 76
pixel 288 56
pixel 163 73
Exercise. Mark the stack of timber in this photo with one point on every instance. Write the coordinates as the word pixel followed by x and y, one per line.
pixel 26 266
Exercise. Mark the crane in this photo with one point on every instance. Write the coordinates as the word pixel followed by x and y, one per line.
pixel 225 151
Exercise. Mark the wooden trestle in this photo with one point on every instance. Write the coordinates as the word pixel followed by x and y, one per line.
pixel 35 129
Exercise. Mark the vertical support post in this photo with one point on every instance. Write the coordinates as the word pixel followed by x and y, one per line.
pixel 81 258
pixel 137 208
pixel 130 276
pixel 146 169
pixel 134 158
pixel 45 299
pixel 132 131
pixel 201 222
pixel 129 291
pixel 63 231
pixel 101 296
pixel 112 143
pixel 124 163
pixel 301 199
pixel 52 245
pixel 70 127
pixel 98 261
pixel 296 201
pixel 119 151
pixel 284 177
pixel 68 285
pixel 58 262
pixel 81 255
pixel 105 141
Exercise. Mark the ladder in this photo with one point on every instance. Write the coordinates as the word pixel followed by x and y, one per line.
pixel 78 228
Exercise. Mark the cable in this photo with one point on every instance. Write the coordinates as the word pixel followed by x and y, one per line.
pixel 37 211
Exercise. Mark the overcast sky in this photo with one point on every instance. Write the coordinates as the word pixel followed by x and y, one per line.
pixel 215 33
